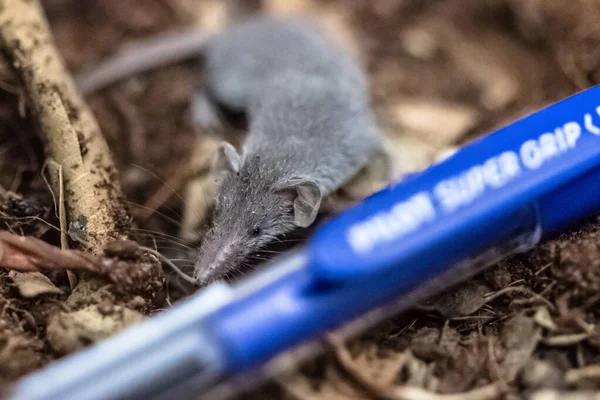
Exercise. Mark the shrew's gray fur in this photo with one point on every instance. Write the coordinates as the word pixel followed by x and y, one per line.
pixel 310 130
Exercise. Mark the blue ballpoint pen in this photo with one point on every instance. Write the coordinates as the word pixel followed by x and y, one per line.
pixel 499 195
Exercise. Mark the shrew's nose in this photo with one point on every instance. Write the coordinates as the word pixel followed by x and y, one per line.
pixel 210 265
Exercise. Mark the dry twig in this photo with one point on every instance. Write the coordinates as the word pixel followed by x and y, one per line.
pixel 28 254
pixel 73 138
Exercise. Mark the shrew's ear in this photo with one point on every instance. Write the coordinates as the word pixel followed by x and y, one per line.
pixel 306 197
pixel 226 161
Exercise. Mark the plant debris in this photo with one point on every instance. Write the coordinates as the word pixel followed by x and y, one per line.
pixel 33 284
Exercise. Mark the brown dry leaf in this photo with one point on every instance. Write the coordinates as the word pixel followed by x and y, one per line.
pixel 420 43
pixel 335 21
pixel 88 292
pixel 543 318
pixel 408 154
pixel 462 358
pixel 564 395
pixel 71 332
pixel 587 376
pixel 339 385
pixel 538 374
pixel 519 337
pixel 288 7
pixel 333 18
pixel 383 369
pixel 566 340
pixel 437 122
pixel 200 194
pixel 374 177
pixel 300 387
pixel 419 373
pixel 426 344
pixel 485 65
pixel 462 300
pixel 200 190
pixel 18 355
pixel 212 15
pixel 33 284
pixel 569 30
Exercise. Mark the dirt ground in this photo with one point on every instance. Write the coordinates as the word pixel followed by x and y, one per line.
pixel 442 72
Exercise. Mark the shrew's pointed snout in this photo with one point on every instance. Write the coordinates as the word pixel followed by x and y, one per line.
pixel 214 265
pixel 203 273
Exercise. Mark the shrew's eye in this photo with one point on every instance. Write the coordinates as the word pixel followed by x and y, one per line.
pixel 256 231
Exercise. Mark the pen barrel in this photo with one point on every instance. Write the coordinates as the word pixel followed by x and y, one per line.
pixel 570 204
pixel 499 195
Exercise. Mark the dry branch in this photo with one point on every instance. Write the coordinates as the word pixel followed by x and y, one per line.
pixel 72 135
pixel 123 263
pixel 28 254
